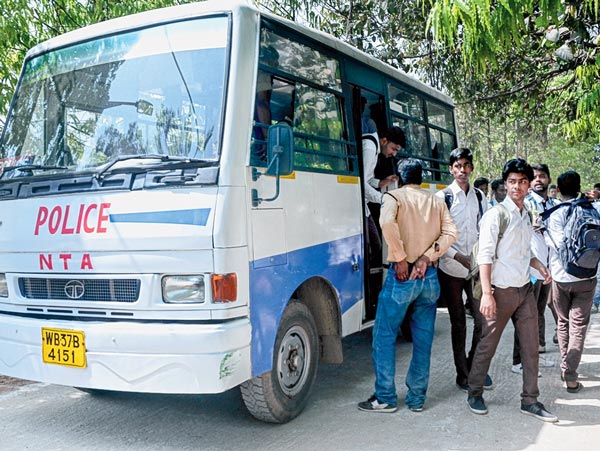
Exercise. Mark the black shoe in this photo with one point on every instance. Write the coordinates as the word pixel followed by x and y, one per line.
pixel 477 405
pixel 372 405
pixel 464 387
pixel 538 410
pixel 555 339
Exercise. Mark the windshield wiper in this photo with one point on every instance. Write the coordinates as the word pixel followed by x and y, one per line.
pixel 30 168
pixel 172 162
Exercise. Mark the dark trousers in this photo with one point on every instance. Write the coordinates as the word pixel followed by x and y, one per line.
pixel 573 303
pixel 452 289
pixel 375 247
pixel 520 304
pixel 541 293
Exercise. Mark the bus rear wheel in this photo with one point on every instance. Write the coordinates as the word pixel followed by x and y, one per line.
pixel 279 395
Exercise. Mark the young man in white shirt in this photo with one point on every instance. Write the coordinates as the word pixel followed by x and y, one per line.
pixel 467 205
pixel 572 296
pixel 391 141
pixel 537 201
pixel 507 291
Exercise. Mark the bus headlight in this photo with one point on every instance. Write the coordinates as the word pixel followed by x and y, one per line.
pixel 3 286
pixel 183 289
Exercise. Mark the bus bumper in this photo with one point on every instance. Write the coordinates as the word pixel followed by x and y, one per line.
pixel 134 357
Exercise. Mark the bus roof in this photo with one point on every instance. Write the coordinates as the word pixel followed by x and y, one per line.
pixel 189 11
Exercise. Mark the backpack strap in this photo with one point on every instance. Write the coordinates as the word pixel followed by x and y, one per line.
pixel 372 139
pixel 479 201
pixel 504 216
pixel 546 214
pixel 448 197
pixel 390 194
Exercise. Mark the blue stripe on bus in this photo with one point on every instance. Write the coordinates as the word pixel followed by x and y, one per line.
pixel 273 284
pixel 198 217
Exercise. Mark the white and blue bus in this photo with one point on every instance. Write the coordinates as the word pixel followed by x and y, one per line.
pixel 181 206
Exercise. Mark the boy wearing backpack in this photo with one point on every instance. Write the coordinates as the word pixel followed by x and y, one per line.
pixel 466 205
pixel 507 292
pixel 573 231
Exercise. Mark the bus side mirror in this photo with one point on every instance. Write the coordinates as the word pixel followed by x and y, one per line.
pixel 280 150
pixel 280 158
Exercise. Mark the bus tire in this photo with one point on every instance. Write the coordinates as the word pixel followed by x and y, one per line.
pixel 95 391
pixel 279 395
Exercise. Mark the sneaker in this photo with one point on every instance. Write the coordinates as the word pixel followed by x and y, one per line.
pixel 546 363
pixel 518 369
pixel 463 387
pixel 415 408
pixel 489 384
pixel 477 405
pixel 372 405
pixel 538 410
pixel 594 309
pixel 542 349
pixel 555 338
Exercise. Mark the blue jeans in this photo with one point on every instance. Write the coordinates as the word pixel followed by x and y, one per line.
pixel 394 299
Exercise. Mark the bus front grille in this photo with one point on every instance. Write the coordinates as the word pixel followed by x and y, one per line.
pixel 95 290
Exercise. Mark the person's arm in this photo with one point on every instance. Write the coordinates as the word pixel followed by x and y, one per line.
pixel 487 306
pixel 369 163
pixel 536 264
pixel 448 236
pixel 390 229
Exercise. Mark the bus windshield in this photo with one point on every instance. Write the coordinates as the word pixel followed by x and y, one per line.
pixel 155 91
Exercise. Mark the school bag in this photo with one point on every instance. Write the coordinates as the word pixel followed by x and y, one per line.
pixel 449 198
pixel 579 250
pixel 474 276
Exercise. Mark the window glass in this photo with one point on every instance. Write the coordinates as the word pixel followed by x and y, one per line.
pixel 404 102
pixel 440 115
pixel 300 60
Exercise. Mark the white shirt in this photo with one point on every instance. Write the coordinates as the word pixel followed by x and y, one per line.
pixel 370 151
pixel 465 213
pixel 511 268
pixel 554 236
pixel 539 248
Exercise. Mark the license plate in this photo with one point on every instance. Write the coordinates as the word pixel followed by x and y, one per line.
pixel 63 347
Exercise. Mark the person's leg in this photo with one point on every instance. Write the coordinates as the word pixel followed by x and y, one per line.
pixel 375 246
pixel 597 293
pixel 541 295
pixel 478 320
pixel 422 326
pixel 492 331
pixel 391 308
pixel 526 326
pixel 452 288
pixel 579 317
pixel 561 299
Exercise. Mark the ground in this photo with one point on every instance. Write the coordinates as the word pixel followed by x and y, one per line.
pixel 10 383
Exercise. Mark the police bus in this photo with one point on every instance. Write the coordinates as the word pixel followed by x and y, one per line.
pixel 181 206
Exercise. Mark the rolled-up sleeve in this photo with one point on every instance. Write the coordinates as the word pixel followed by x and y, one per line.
pixel 488 237
pixel 390 230
pixel 447 238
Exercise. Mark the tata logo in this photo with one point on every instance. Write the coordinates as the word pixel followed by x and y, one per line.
pixel 74 289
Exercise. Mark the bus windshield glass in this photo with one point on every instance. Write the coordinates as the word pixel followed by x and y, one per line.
pixel 155 91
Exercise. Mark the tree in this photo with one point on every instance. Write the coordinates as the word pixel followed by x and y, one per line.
pixel 543 55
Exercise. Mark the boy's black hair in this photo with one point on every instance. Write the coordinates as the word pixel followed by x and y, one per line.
pixel 461 152
pixel 569 183
pixel 480 181
pixel 410 171
pixel 519 166
pixel 542 167
pixel 496 183
pixel 396 135
pixel 597 186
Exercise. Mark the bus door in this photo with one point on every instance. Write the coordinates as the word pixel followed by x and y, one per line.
pixel 369 117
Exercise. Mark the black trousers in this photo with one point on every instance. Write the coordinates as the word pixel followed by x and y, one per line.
pixel 452 290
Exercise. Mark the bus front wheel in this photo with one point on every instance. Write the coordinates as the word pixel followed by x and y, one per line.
pixel 279 395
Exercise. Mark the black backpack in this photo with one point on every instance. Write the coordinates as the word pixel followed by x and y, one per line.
pixel 449 198
pixel 579 251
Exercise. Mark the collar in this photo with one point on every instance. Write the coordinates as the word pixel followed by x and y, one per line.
pixel 512 207
pixel 456 189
